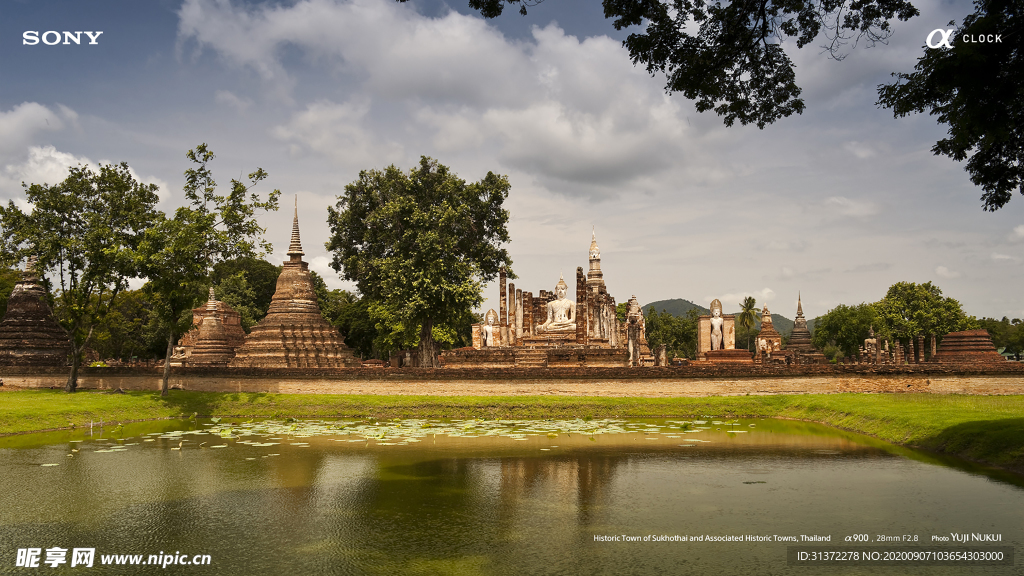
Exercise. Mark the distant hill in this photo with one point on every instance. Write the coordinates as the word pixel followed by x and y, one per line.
pixel 679 307
pixel 675 307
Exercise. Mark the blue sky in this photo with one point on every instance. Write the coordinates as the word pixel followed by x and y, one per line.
pixel 838 203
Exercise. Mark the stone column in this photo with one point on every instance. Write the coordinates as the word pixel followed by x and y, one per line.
pixel 527 314
pixel 581 307
pixel 934 346
pixel 503 306
pixel 519 318
pixel 662 355
pixel 920 348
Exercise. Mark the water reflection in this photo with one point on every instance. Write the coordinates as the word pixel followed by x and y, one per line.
pixel 488 505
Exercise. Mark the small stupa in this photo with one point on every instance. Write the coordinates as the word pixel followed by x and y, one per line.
pixel 229 318
pixel 294 334
pixel 213 345
pixel 800 338
pixel 29 334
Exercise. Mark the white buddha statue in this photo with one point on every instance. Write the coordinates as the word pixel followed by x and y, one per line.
pixel 561 311
pixel 717 322
pixel 488 330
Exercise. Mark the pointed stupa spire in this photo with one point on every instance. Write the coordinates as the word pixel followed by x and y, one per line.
pixel 211 302
pixel 295 249
pixel 799 306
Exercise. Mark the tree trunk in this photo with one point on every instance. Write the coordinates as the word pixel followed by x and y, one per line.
pixel 76 360
pixel 167 364
pixel 428 350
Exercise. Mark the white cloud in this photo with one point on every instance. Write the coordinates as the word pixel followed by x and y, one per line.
pixel 944 272
pixel 787 272
pixel 20 125
pixel 1004 257
pixel 228 98
pixel 47 165
pixel 1018 233
pixel 577 115
pixel 339 131
pixel 859 149
pixel 849 207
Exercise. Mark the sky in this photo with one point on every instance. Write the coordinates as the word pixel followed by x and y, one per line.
pixel 836 204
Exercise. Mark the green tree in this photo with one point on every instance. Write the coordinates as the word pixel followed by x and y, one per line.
pixel 977 90
pixel 748 317
pixel 123 333
pixel 910 309
pixel 85 233
pixel 179 253
pixel 1006 333
pixel 842 330
pixel 421 245
pixel 8 278
pixel 677 333
pixel 246 283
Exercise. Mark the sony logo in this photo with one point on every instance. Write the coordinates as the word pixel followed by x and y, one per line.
pixel 52 37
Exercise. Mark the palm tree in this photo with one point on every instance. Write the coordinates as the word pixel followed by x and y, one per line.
pixel 747 316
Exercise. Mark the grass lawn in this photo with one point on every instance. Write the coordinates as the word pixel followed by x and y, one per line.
pixel 987 429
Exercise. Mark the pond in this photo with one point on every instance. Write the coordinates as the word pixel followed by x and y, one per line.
pixel 676 496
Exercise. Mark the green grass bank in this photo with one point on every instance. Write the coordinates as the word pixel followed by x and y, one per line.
pixel 986 429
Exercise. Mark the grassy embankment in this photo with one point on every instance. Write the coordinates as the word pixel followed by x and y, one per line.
pixel 988 429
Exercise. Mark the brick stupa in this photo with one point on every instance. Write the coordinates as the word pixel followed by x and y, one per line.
pixel 213 343
pixel 969 347
pixel 230 319
pixel 29 334
pixel 294 334
pixel 800 338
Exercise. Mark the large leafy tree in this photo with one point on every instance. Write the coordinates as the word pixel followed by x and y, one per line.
pixel 8 278
pixel 178 254
pixel 911 309
pixel 420 245
pixel 977 90
pixel 85 232
pixel 844 328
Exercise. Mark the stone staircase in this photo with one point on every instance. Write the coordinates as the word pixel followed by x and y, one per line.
pixel 531 358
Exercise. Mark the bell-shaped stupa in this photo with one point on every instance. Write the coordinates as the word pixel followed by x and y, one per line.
pixel 29 334
pixel 294 334
pixel 213 345
pixel 800 338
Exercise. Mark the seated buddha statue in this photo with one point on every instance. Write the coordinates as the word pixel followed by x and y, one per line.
pixel 561 312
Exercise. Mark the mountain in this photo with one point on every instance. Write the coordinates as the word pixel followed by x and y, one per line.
pixel 675 307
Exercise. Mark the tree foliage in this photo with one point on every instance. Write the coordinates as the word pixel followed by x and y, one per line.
pixel 247 285
pixel 85 233
pixel 677 333
pixel 977 90
pixel 910 309
pixel 844 328
pixel 907 311
pixel 747 319
pixel 8 278
pixel 179 253
pixel 1006 333
pixel 420 246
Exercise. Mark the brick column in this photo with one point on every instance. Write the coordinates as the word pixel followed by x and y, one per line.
pixel 581 307
pixel 503 309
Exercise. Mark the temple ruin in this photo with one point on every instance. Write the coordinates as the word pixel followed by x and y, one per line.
pixel 294 333
pixel 549 329
pixel 230 329
pixel 29 334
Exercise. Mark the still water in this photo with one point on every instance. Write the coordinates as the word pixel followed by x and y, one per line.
pixel 487 497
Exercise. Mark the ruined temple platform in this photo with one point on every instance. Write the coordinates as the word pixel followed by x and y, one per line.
pixel 693 380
